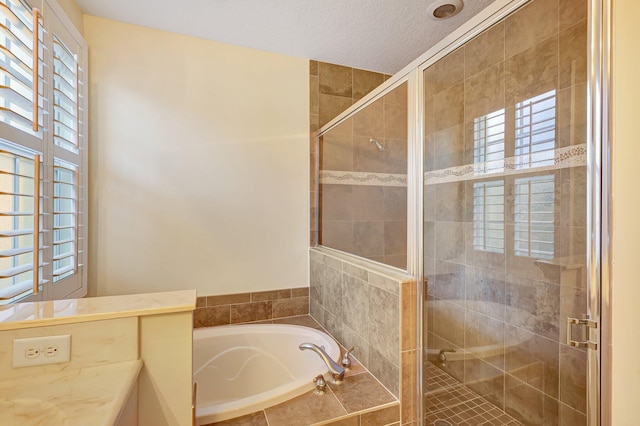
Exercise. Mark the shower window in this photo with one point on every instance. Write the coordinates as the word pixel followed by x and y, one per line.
pixel 534 217
pixel 488 141
pixel 488 216
pixel 363 182
pixel 535 131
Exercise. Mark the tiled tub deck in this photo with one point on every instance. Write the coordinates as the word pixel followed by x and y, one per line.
pixel 359 400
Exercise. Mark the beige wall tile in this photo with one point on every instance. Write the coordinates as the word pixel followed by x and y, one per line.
pixel 370 121
pixel 484 51
pixel 248 312
pixel 532 72
pixel 313 67
pixel 572 115
pixel 409 386
pixel 336 152
pixel 573 55
pixel 398 96
pixel 444 74
pixel 330 106
pixel 364 82
pixel 290 307
pixel 484 92
pixel 337 235
pixel 535 22
pixel 227 299
pixel 395 237
pixel 449 148
pixel 335 80
pixel 300 292
pixel 449 107
pixel 211 315
pixel 314 93
pixel 572 12
pixel 408 316
pixel 271 295
pixel 395 122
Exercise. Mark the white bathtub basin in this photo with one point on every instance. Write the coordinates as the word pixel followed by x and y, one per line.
pixel 245 368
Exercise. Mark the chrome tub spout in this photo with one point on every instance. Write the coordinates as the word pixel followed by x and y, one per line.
pixel 337 372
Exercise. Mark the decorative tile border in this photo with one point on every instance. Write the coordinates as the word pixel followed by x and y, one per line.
pixel 571 156
pixel 336 177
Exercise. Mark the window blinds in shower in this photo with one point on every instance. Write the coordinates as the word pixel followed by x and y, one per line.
pixel 42 153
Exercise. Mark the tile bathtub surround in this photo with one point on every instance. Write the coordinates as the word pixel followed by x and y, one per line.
pixel 250 307
pixel 359 400
pixel 373 311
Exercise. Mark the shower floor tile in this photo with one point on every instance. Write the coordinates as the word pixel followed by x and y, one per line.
pixel 447 399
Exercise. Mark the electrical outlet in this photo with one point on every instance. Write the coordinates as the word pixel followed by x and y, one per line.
pixel 41 350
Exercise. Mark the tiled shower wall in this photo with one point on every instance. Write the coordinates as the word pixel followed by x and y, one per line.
pixel 332 89
pixel 373 311
pixel 511 305
pixel 363 189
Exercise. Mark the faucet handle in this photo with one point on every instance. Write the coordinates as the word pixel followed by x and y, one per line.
pixel 321 384
pixel 346 361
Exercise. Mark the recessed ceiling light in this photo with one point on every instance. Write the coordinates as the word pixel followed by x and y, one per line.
pixel 443 9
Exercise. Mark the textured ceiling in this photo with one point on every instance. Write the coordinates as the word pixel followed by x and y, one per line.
pixel 377 35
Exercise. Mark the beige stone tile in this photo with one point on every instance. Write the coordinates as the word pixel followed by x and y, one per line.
pixel 449 107
pixel 525 403
pixel 366 158
pixel 485 380
pixel 290 307
pixel 367 202
pixel 449 148
pixel 364 82
pixel 395 237
pixel 445 73
pixel 395 122
pixel 572 12
pixel 398 96
pixel 484 51
pixel 331 106
pixel 336 202
pixel 369 121
pixel 346 421
pixel 535 22
pixel 337 235
pixel 368 238
pixel 484 92
pixel 532 72
pixel 249 312
pixel 570 417
pixel 336 152
pixel 227 299
pixel 381 417
pixel 573 377
pixel 361 392
pixel 395 203
pixel 271 295
pixel 253 419
pixel 397 260
pixel 314 93
pixel 408 316
pixel 300 292
pixel 305 409
pixel 211 315
pixel 573 55
pixel 314 123
pixel 533 359
pixel 395 156
pixel 313 67
pixel 336 80
pixel 201 301
pixel 409 387
pixel 571 110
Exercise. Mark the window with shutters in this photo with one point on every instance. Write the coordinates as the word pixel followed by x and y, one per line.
pixel 42 153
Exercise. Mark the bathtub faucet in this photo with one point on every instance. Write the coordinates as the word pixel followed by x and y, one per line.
pixel 337 372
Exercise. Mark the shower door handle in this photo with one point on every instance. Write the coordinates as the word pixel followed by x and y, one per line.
pixel 586 323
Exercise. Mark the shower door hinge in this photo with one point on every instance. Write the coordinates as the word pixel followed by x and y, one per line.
pixel 587 324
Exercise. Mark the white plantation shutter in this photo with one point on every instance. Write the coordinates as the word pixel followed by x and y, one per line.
pixel 17 218
pixel 59 143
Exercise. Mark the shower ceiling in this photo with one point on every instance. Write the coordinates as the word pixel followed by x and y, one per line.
pixel 377 35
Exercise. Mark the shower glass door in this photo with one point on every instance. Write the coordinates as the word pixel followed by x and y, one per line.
pixel 505 222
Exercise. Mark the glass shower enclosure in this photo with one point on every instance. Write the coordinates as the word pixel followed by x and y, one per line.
pixel 484 197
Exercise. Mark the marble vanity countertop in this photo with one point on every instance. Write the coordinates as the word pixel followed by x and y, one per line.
pixel 69 311
pixel 86 396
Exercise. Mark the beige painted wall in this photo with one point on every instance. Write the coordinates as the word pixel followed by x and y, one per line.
pixel 74 13
pixel 198 164
pixel 626 202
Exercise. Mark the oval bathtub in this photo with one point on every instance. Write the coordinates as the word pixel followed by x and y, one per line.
pixel 241 369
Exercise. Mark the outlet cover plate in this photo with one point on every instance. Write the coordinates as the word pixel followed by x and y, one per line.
pixel 38 350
